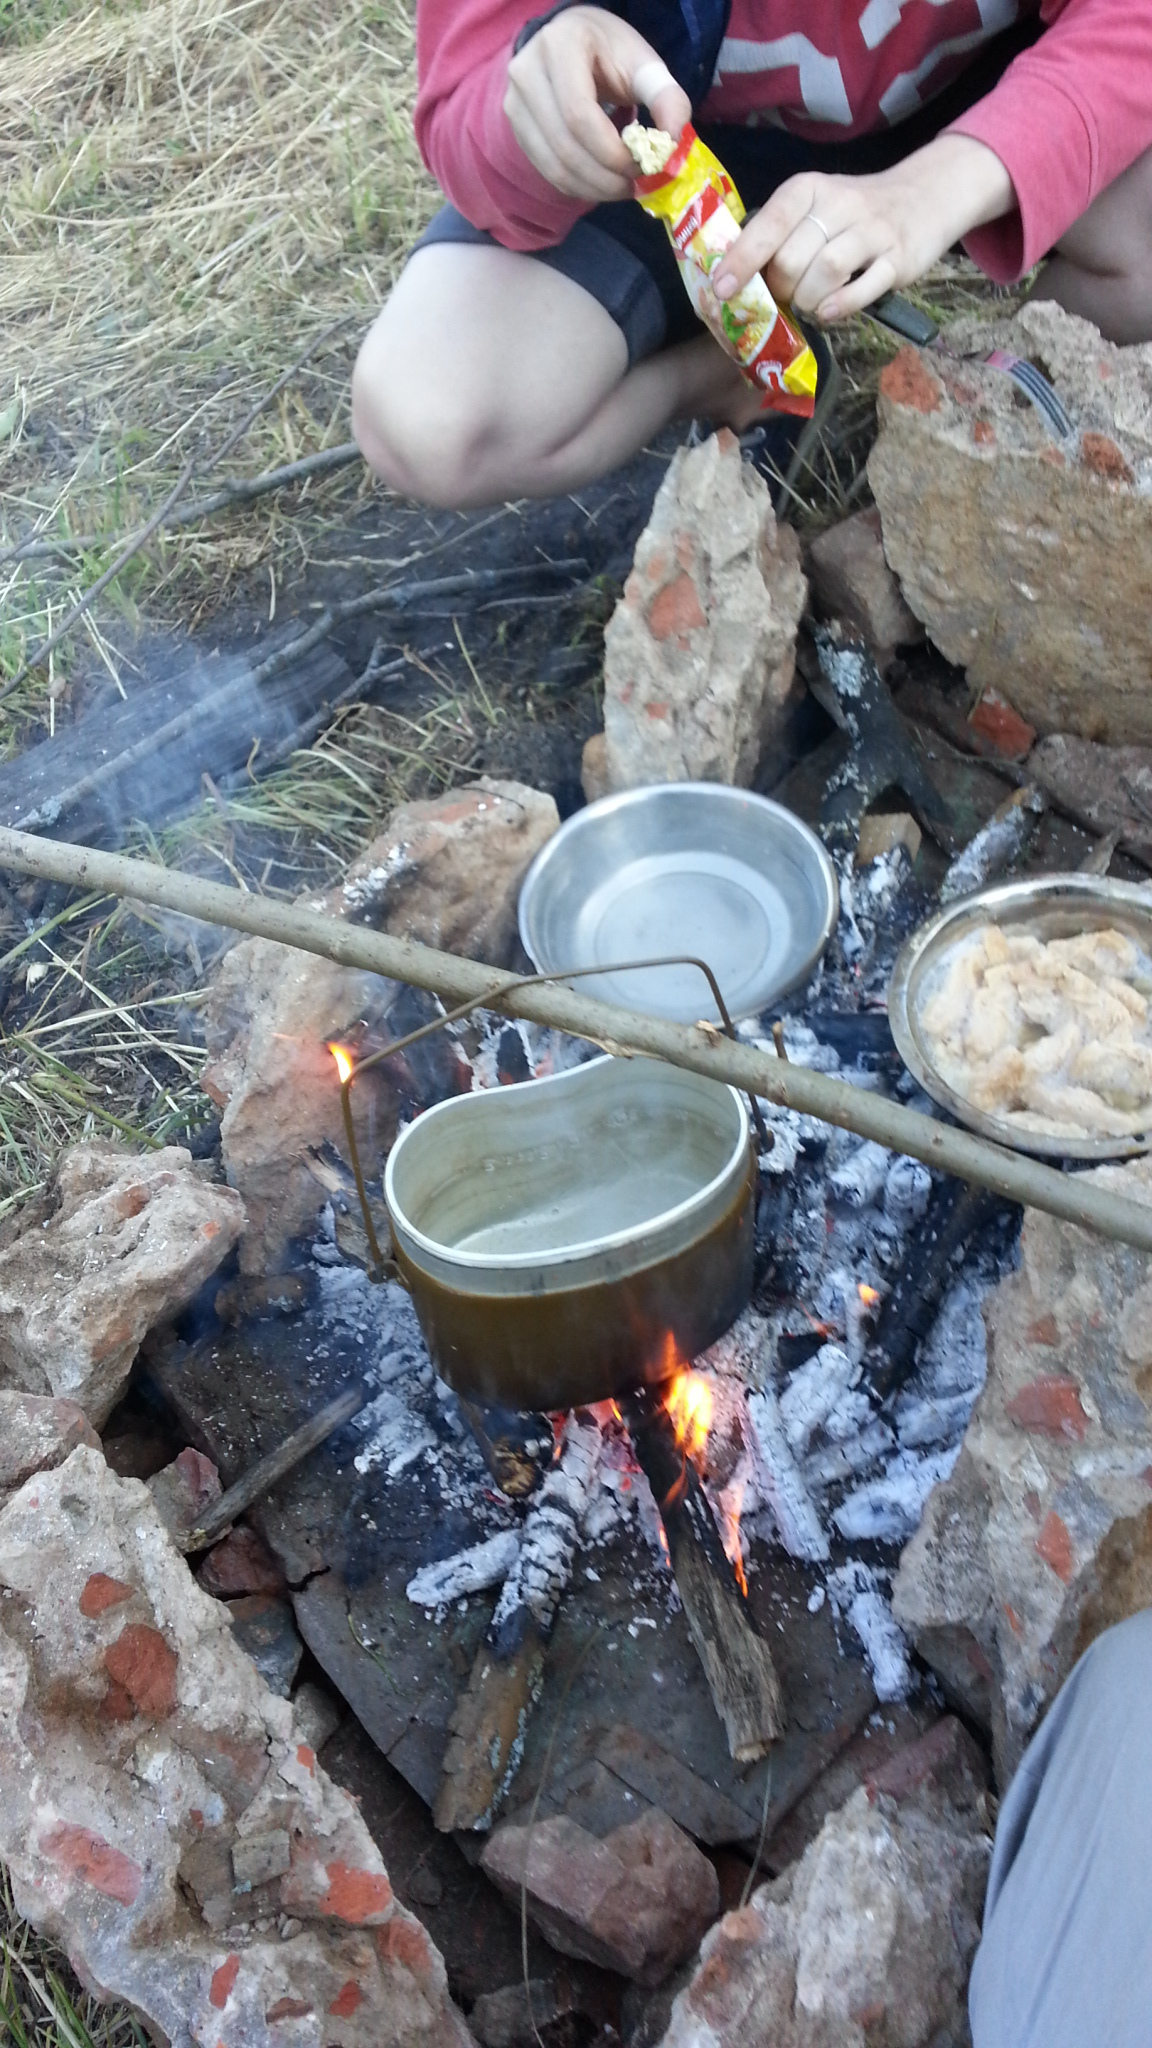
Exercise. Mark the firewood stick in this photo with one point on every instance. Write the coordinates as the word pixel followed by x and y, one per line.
pixel 737 1662
pixel 275 1465
pixel 1011 1174
pixel 486 1732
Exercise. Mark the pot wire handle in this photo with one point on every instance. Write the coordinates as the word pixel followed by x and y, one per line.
pixel 356 1067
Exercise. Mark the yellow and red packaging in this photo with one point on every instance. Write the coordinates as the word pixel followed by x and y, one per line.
pixel 702 211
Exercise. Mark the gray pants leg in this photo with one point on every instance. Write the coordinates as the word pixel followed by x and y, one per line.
pixel 1066 1956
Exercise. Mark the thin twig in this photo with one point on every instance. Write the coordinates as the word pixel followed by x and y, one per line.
pixel 263 403
pixel 110 574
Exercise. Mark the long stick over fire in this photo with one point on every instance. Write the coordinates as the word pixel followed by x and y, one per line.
pixel 700 1050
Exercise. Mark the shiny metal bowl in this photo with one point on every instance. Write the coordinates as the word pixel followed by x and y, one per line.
pixel 558 1236
pixel 682 867
pixel 1047 907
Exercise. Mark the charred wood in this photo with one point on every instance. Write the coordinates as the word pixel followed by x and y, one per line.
pixel 737 1662
pixel 486 1732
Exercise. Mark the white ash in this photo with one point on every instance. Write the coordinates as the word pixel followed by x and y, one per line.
pixel 778 1484
pixel 878 883
pixel 863 1176
pixel 381 1318
pixel 937 1420
pixel 954 1357
pixel 469 1571
pixel 836 1464
pixel 486 1058
pixel 856 1594
pixel 813 1392
pixel 551 1529
pixel 396 1436
pixel 907 1191
pixel 888 1509
pixel 366 895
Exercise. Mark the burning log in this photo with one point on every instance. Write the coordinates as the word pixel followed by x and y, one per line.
pixel 737 1663
pixel 955 1213
pixel 486 1732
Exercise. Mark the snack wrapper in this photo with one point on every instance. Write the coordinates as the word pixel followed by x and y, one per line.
pixel 702 211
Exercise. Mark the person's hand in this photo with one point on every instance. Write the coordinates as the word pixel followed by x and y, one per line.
pixel 556 84
pixel 830 245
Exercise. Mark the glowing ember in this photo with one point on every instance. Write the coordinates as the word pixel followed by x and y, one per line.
pixel 689 1403
pixel 728 1519
pixel 344 1061
pixel 868 1295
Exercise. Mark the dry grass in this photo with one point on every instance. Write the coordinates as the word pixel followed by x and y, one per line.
pixel 191 193
pixel 41 2004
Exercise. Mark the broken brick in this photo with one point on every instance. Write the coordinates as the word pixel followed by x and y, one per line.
pixel 906 382
pixel 100 1593
pixel 1054 1545
pixel 141 1661
pixel 1049 1407
pixel 86 1855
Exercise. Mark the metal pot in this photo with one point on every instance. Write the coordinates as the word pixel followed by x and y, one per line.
pixel 564 1240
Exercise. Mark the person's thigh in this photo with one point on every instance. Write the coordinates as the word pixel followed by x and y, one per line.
pixel 481 363
pixel 1066 1955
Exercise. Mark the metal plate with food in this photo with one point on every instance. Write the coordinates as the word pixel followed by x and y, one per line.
pixel 1027 1011
pixel 682 868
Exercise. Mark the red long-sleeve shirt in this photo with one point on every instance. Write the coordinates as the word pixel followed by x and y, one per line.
pixel 1070 113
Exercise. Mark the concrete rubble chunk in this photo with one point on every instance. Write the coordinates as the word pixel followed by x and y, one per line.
pixel 637 1902
pixel 1028 561
pixel 849 579
pixel 159 1814
pixel 131 1240
pixel 1042 1536
pixel 446 872
pixel 1108 789
pixel 865 1943
pixel 700 653
pixel 37 1432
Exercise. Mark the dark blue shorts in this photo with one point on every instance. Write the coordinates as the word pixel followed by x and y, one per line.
pixel 624 258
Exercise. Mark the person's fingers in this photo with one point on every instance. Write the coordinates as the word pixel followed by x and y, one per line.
pixel 574 91
pixel 880 277
pixel 764 234
pixel 833 265
pixel 654 87
pixel 543 135
pixel 538 146
pixel 805 250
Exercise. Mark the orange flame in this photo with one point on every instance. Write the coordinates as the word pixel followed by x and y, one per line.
pixel 689 1403
pixel 344 1061
pixel 868 1295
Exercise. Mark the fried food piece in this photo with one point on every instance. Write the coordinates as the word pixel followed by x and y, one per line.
pixel 1052 1035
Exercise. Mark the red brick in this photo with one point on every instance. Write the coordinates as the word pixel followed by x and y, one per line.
pixel 1045 1330
pixel 290 2009
pixel 1050 1407
pixel 406 1942
pixel 655 710
pixel 1014 1621
pixel 675 609
pixel 141 1661
pixel 906 381
pixel 1001 725
pixel 89 1857
pixel 347 2001
pixel 307 1756
pixel 984 433
pixel 101 1592
pixel 223 1981
pixel 242 1563
pixel 355 1895
pixel 1100 454
pixel 1054 1545
pixel 117 1705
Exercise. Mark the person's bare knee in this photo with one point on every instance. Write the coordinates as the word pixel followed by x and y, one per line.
pixel 481 365
pixel 1102 268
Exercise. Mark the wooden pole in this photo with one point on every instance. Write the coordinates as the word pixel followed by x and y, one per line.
pixel 1011 1174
